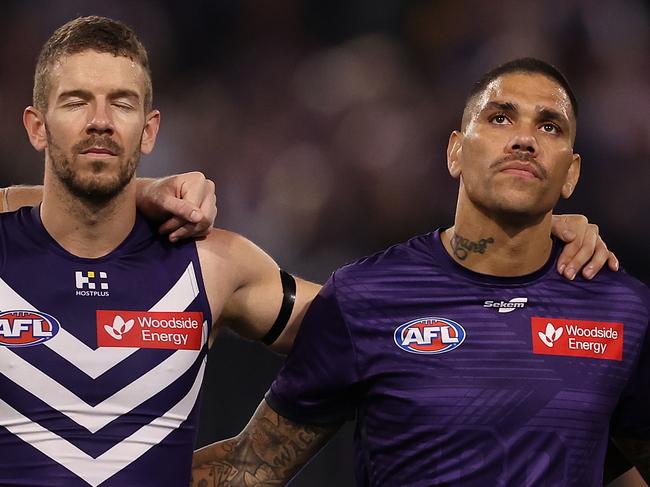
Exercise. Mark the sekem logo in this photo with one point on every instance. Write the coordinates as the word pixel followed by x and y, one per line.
pixel 429 335
pixel 26 328
pixel 506 306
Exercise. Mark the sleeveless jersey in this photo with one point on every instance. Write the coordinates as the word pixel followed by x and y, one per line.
pixel 462 379
pixel 101 360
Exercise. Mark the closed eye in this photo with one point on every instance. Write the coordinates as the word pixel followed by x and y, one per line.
pixel 123 106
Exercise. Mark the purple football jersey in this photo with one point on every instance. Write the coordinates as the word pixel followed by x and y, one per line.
pixel 458 378
pixel 101 360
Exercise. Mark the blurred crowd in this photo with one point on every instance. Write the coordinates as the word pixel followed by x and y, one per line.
pixel 324 123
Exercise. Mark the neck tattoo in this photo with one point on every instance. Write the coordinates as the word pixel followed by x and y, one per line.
pixel 463 246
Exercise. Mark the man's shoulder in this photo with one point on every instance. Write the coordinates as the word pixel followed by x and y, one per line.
pixel 620 286
pixel 18 223
pixel 402 258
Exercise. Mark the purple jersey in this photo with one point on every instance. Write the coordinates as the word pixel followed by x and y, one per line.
pixel 458 378
pixel 101 360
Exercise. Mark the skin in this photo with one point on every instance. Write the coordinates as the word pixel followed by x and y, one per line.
pixel 99 97
pixel 514 159
pixel 186 204
pixel 96 103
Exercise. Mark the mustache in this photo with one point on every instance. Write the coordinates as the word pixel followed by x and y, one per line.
pixel 521 156
pixel 100 142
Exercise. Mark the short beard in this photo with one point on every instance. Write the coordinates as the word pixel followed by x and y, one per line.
pixel 92 191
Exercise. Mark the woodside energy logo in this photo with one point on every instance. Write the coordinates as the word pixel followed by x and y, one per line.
pixel 150 329
pixel 577 338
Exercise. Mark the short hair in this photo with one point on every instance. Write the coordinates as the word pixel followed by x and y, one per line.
pixel 522 65
pixel 95 33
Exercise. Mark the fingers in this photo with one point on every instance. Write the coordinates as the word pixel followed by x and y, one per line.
pixel 612 262
pixel 601 255
pixel 576 253
pixel 588 253
pixel 192 205
pixel 200 228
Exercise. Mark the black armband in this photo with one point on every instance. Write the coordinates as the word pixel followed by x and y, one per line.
pixel 288 300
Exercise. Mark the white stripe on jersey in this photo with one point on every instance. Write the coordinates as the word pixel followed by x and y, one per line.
pixel 94 418
pixel 97 470
pixel 96 362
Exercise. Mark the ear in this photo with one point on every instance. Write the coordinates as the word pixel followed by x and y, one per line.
pixel 454 154
pixel 572 177
pixel 150 131
pixel 34 123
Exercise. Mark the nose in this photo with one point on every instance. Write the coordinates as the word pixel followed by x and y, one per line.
pixel 100 121
pixel 523 142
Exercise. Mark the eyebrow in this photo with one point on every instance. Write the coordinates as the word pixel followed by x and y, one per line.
pixel 87 95
pixel 504 106
pixel 542 112
pixel 546 113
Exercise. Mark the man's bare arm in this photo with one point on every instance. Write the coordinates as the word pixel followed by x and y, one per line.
pixel 186 203
pixel 235 267
pixel 15 197
pixel 269 451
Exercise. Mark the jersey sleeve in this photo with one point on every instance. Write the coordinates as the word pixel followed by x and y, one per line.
pixel 631 418
pixel 318 383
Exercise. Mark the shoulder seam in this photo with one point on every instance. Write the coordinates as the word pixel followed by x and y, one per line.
pixel 347 328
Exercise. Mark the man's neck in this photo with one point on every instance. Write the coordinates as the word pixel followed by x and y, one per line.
pixel 85 229
pixel 506 249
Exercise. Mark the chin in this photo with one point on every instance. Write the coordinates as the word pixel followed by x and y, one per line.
pixel 96 188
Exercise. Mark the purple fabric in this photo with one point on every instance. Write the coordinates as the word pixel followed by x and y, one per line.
pixel 487 412
pixel 138 274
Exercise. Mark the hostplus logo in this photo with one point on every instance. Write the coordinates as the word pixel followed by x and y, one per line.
pixel 91 283
pixel 506 306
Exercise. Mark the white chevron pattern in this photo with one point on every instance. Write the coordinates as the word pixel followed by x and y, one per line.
pixel 95 363
pixel 97 470
pixel 93 418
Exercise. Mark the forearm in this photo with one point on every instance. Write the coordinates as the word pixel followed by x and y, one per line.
pixel 15 197
pixel 269 451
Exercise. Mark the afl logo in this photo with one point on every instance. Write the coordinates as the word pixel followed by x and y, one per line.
pixel 429 335
pixel 26 328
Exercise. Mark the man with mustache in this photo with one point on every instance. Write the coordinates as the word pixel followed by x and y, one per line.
pixel 460 354
pixel 104 324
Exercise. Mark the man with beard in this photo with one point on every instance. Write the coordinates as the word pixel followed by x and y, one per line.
pixel 461 355
pixel 105 325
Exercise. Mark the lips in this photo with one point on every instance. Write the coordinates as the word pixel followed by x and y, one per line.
pixel 520 167
pixel 99 150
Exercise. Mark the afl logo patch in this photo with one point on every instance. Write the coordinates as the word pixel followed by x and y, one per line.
pixel 429 335
pixel 26 328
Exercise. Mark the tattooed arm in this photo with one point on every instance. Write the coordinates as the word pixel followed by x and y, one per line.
pixel 269 451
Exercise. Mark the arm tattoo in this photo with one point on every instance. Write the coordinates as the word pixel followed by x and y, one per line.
pixel 463 246
pixel 637 452
pixel 269 451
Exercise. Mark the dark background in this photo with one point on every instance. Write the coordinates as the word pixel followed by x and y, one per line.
pixel 324 124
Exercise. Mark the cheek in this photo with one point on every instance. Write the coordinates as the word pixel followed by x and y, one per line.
pixel 477 154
